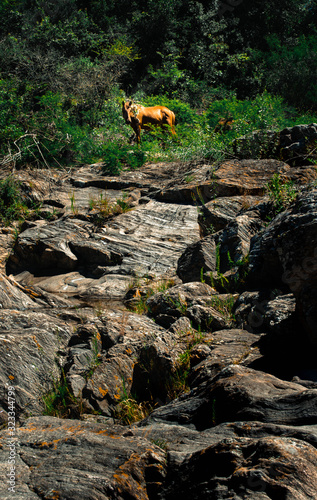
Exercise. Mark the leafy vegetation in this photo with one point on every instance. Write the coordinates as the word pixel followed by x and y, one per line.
pixel 60 401
pixel 14 205
pixel 129 410
pixel 65 67
pixel 281 193
pixel 178 382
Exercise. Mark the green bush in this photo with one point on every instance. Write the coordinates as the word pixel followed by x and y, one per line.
pixel 291 69
pixel 116 156
pixel 281 193
pixel 11 206
pixel 11 105
pixel 263 112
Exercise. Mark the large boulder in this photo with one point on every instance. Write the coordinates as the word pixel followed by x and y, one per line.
pixel 219 252
pixel 193 300
pixel 284 255
pixel 58 458
pixel 295 142
pixel 241 393
pixel 216 214
pixel 31 345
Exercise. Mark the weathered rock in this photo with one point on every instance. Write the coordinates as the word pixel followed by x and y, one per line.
pixel 198 258
pixel 73 459
pixel 234 243
pixel 276 318
pixel 240 393
pixel 256 469
pixel 220 349
pixel 180 441
pixel 219 252
pixel 293 144
pixel 216 214
pixel 134 243
pixel 61 194
pixel 118 354
pixel 108 355
pixel 44 246
pixel 193 300
pixel 295 141
pixel 266 311
pixel 30 343
pixel 231 178
pixel 284 255
pixel 12 296
pixel 247 177
pixel 7 238
pixel 58 457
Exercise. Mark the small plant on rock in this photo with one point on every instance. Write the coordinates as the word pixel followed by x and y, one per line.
pixel 105 208
pixel 282 193
pixel 61 402
pixel 138 303
pixel 224 305
pixel 178 383
pixel 95 359
pixel 129 410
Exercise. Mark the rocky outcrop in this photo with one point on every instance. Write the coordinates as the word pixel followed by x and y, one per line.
pixel 285 255
pixel 220 251
pixel 103 461
pixel 198 323
pixel 239 393
pixel 293 144
pixel 216 214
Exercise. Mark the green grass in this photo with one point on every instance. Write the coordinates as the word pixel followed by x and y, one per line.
pixel 178 380
pixel 143 290
pixel 58 136
pixel 103 208
pixel 281 192
pixel 14 205
pixel 60 401
pixel 129 410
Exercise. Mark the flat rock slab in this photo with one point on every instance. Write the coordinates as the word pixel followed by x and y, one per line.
pixel 247 177
pixel 76 287
pixel 66 459
pixel 69 257
pixel 56 189
pixel 151 176
pixel 233 178
pixel 151 238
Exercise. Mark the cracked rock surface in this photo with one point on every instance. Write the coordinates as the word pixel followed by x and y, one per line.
pixel 191 309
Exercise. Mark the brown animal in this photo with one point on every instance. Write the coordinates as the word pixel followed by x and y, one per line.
pixel 140 117
pixel 224 125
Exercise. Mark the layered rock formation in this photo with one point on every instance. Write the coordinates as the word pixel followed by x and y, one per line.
pixel 195 309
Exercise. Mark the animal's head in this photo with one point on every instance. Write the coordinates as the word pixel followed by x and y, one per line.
pixel 127 111
pixel 130 112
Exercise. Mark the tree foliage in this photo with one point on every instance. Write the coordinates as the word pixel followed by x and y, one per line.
pixel 65 66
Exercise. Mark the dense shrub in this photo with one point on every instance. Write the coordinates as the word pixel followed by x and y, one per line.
pixel 263 112
pixel 11 205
